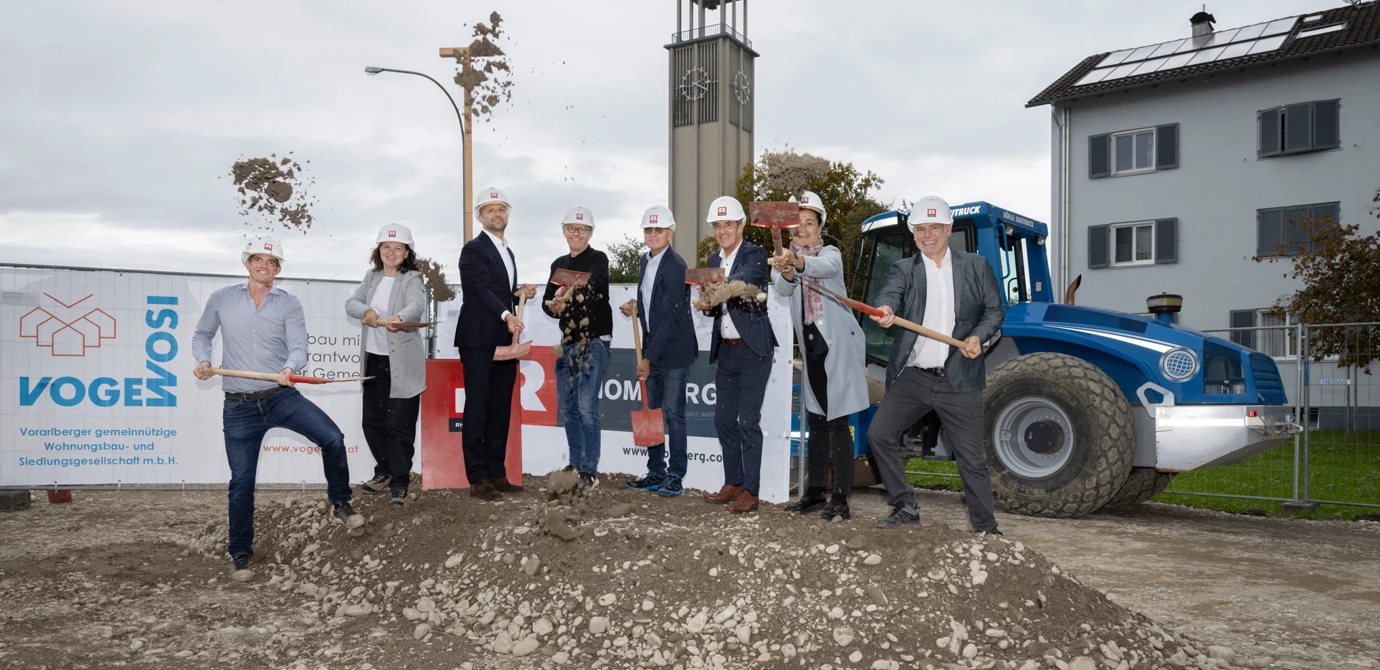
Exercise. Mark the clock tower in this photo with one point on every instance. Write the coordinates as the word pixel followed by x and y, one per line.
pixel 710 121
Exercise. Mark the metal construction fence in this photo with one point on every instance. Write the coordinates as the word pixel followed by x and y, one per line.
pixel 1336 458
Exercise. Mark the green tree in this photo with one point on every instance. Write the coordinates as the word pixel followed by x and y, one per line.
pixel 846 191
pixel 1340 271
pixel 623 260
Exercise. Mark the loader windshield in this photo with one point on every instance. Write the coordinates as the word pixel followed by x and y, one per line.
pixel 886 249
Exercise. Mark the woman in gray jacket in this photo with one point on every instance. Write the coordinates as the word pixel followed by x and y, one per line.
pixel 392 293
pixel 831 343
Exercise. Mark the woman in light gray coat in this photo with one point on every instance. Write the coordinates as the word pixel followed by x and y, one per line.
pixel 395 357
pixel 831 343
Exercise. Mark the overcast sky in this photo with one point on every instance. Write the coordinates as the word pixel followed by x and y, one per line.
pixel 119 120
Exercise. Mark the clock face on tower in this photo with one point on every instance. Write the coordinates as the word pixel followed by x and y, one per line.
pixel 694 84
pixel 742 88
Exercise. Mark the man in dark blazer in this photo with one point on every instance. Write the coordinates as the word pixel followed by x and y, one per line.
pixel 669 347
pixel 488 290
pixel 742 344
pixel 948 291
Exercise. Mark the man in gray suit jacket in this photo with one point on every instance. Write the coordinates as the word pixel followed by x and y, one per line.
pixel 949 291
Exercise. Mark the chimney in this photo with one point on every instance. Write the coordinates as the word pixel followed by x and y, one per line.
pixel 1202 23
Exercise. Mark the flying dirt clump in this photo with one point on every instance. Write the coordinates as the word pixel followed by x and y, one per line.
pixel 488 81
pixel 276 189
pixel 713 295
pixel 435 279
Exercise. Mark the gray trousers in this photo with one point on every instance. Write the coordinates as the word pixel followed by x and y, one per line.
pixel 911 396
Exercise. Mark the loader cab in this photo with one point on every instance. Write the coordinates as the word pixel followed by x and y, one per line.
pixel 1013 245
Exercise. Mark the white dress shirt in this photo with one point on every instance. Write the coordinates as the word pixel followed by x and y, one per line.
pixel 649 277
pixel 507 264
pixel 377 341
pixel 939 313
pixel 726 328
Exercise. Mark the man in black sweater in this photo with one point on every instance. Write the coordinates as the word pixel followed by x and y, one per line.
pixel 586 322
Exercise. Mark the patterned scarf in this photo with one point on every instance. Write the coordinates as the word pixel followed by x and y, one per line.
pixel 814 308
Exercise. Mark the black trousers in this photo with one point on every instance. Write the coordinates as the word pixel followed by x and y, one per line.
pixel 390 424
pixel 827 438
pixel 488 408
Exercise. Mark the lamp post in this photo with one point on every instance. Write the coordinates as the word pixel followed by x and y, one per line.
pixel 465 136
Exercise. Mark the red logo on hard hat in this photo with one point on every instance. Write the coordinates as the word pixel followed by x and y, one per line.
pixel 651 218
pixel 268 247
pixel 392 233
pixel 493 195
pixel 932 212
pixel 723 211
pixel 579 216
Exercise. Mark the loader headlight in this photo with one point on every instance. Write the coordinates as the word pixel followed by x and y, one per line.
pixel 1179 364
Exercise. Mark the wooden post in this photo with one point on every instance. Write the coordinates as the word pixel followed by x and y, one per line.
pixel 468 142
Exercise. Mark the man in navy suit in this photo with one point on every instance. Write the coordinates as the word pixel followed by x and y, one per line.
pixel 669 347
pixel 742 343
pixel 488 290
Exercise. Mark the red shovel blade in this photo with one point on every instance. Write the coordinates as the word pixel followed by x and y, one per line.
pixel 570 278
pixel 647 428
pixel 775 214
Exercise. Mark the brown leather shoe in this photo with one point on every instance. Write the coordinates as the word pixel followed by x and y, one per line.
pixel 504 486
pixel 484 490
pixel 727 494
pixel 746 502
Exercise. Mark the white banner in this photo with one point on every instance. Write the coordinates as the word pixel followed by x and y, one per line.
pixel 96 384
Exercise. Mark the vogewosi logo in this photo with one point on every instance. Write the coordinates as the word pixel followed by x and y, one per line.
pixel 153 390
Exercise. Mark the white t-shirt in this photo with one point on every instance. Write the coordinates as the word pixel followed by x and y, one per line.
pixel 377 342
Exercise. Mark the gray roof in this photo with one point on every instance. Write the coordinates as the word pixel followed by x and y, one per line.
pixel 1327 31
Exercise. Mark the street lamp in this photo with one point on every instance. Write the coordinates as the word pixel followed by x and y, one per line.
pixel 464 136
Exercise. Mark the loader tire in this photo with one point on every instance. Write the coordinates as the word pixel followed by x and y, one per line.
pixel 1142 485
pixel 1059 436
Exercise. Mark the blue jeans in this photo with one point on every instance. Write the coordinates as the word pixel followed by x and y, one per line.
pixel 666 391
pixel 245 423
pixel 579 373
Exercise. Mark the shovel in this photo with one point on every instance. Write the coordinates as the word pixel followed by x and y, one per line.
pixel 409 325
pixel 570 279
pixel 775 215
pixel 270 377
pixel 701 276
pixel 646 423
pixel 516 349
pixel 873 311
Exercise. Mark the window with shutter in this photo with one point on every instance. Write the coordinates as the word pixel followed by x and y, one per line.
pixel 1298 127
pixel 1270 133
pixel 1270 232
pixel 1243 318
pixel 1167 147
pixel 1098 256
pixel 1326 126
pixel 1099 156
pixel 1133 244
pixel 1166 241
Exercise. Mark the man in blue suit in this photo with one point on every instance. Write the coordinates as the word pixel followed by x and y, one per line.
pixel 742 343
pixel 669 347
pixel 488 290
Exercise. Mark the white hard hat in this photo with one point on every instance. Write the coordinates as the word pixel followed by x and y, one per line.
pixel 930 209
pixel 578 215
pixel 810 200
pixel 394 233
pixel 489 196
pixel 657 216
pixel 263 245
pixel 725 208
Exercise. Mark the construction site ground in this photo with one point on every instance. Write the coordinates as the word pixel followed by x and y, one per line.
pixel 134 578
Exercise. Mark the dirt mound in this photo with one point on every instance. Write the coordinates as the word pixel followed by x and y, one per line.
pixel 621 579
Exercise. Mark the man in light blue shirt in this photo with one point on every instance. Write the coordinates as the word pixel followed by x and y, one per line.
pixel 263 329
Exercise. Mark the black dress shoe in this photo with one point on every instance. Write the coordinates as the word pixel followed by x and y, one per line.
pixel 502 485
pixel 836 509
pixel 806 504
pixel 901 516
pixel 484 490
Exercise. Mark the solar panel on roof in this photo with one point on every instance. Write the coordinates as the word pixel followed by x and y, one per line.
pixel 1223 45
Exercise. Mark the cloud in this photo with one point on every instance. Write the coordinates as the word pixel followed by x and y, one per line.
pixel 121 120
